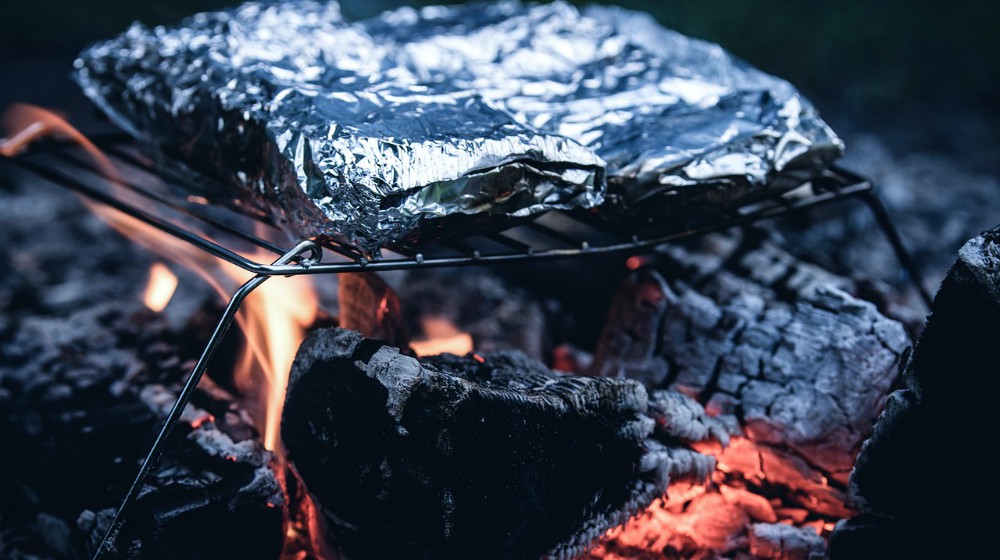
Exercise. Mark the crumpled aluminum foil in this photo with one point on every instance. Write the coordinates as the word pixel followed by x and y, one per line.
pixel 415 123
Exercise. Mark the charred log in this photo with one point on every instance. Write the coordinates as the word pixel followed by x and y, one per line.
pixel 81 398
pixel 461 457
pixel 748 330
pixel 806 377
pixel 903 473
pixel 368 305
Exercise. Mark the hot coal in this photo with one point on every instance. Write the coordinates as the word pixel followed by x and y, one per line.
pixel 907 477
pixel 486 457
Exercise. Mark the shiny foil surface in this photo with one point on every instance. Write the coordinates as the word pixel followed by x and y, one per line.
pixel 419 123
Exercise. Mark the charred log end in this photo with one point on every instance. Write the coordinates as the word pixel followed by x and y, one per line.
pixel 927 439
pixel 457 457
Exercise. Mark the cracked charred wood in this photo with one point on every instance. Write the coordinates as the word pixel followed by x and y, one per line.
pixel 81 398
pixel 749 330
pixel 905 480
pixel 472 457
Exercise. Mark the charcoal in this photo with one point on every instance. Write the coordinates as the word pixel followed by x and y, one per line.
pixel 906 474
pixel 462 457
pixel 83 396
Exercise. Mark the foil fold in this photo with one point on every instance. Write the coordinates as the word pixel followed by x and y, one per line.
pixel 421 123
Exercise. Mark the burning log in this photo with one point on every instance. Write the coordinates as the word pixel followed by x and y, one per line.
pixel 81 397
pixel 368 305
pixel 462 457
pixel 950 390
pixel 748 330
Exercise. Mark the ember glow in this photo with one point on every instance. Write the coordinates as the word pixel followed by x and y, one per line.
pixel 273 318
pixel 442 337
pixel 161 286
pixel 711 520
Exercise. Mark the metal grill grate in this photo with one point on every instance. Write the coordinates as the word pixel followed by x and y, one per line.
pixel 171 202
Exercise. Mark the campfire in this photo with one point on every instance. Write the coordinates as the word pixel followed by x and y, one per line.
pixel 769 470
pixel 695 391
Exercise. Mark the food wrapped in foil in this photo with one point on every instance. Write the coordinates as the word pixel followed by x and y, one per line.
pixel 419 123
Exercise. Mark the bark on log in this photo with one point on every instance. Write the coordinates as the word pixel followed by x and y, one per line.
pixel 917 472
pixel 81 398
pixel 462 457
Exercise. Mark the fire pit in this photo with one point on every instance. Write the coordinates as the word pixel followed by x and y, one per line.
pixel 752 379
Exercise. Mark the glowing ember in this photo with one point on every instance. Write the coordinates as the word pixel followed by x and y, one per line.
pixel 712 521
pixel 443 337
pixel 160 288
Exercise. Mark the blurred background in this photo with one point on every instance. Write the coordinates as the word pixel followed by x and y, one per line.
pixel 912 86
pixel 866 64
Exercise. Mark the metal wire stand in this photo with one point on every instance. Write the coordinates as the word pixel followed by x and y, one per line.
pixel 153 198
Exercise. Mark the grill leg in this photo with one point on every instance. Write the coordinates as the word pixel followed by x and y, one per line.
pixel 111 536
pixel 884 222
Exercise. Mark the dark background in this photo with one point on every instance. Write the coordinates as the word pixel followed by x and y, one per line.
pixel 866 64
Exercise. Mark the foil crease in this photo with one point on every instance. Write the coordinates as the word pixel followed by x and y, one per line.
pixel 417 123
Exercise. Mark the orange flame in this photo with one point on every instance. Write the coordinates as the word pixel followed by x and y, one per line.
pixel 443 337
pixel 161 286
pixel 273 318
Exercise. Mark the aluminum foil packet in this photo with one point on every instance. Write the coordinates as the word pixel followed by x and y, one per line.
pixel 418 123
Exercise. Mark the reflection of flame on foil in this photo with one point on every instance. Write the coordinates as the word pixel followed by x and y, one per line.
pixel 273 318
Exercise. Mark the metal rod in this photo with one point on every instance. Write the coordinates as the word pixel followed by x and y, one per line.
pixel 888 228
pixel 183 234
pixel 174 203
pixel 108 542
